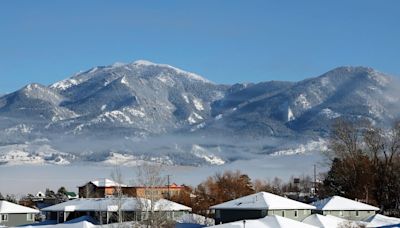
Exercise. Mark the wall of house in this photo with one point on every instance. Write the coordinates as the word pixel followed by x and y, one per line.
pixel 91 191
pixel 352 215
pixel 225 216
pixel 16 220
pixel 298 215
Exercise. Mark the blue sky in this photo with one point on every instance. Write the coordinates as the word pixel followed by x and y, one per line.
pixel 225 41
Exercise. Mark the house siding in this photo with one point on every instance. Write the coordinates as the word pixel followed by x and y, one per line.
pixel 301 214
pixel 16 220
pixel 352 215
pixel 226 215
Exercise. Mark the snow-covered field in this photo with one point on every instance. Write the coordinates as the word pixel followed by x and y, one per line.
pixel 22 179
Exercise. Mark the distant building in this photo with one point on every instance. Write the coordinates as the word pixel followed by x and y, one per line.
pixel 259 205
pixel 105 210
pixel 344 208
pixel 101 188
pixel 158 191
pixel 12 214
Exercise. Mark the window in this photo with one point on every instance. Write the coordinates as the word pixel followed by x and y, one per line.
pixel 283 213
pixel 341 213
pixel 4 217
pixel 30 217
pixel 304 212
pixel 357 214
pixel 295 213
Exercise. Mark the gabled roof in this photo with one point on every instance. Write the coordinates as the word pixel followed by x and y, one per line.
pixel 111 204
pixel 338 203
pixel 104 182
pixel 379 220
pixel 12 208
pixel 271 221
pixel 263 200
pixel 324 221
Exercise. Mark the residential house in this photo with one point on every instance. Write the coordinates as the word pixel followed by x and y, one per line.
pixel 105 210
pixel 379 220
pixel 101 188
pixel 259 205
pixel 344 208
pixel 329 221
pixel 12 214
pixel 270 221
pixel 157 192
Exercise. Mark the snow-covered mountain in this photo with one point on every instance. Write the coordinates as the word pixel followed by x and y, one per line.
pixel 156 112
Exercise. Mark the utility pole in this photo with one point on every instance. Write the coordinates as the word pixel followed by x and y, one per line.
pixel 315 179
pixel 169 195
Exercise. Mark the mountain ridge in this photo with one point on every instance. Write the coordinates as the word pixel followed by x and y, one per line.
pixel 159 112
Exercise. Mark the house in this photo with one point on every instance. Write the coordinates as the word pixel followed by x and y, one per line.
pixel 329 221
pixel 270 221
pixel 259 205
pixel 105 210
pixel 157 192
pixel 12 214
pixel 379 220
pixel 101 188
pixel 344 208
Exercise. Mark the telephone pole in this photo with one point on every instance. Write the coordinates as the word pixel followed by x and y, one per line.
pixel 315 179
pixel 168 184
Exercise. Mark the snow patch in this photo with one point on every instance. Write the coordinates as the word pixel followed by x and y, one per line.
pixel 212 159
pixel 302 101
pixel 312 146
pixel 185 97
pixel 198 104
pixel 329 113
pixel 290 115
pixel 194 118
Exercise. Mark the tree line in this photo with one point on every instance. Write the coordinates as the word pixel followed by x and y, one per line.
pixel 365 164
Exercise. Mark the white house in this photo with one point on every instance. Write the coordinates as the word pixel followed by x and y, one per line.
pixel 329 221
pixel 379 220
pixel 12 214
pixel 105 210
pixel 344 208
pixel 259 205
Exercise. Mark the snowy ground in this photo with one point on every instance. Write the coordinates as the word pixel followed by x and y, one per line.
pixel 22 179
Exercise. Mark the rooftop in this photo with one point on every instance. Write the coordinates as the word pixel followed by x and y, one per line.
pixel 271 221
pixel 111 204
pixel 263 200
pixel 104 182
pixel 12 208
pixel 338 203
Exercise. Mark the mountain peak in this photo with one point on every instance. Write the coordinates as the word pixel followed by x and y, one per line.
pixel 353 69
pixel 177 70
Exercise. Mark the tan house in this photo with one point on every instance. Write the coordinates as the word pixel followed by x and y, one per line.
pixel 102 188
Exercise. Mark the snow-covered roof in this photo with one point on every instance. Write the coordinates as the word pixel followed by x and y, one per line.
pixel 338 203
pixel 271 221
pixel 263 200
pixel 379 220
pixel 104 182
pixel 111 204
pixel 83 224
pixel 195 219
pixel 324 221
pixel 12 208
